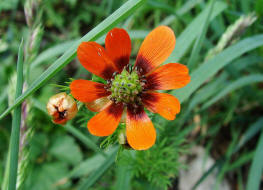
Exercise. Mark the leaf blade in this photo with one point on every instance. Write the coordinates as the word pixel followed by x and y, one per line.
pixel 256 168
pixel 15 133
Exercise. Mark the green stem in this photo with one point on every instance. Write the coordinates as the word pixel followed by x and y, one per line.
pixel 15 134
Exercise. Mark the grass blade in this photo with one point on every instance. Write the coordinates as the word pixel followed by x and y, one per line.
pixel 243 159
pixel 52 52
pixel 84 139
pixel 233 86
pixel 99 172
pixel 89 165
pixel 256 168
pixel 123 177
pixel 60 63
pixel 190 4
pixel 250 132
pixel 199 41
pixel 207 173
pixel 186 38
pixel 213 65
pixel 15 133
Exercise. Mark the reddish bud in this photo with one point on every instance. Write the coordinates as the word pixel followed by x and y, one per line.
pixel 62 108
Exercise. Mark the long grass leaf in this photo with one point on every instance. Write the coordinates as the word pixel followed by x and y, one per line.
pixel 234 86
pixel 99 172
pixel 52 52
pixel 250 133
pixel 83 138
pixel 256 168
pixel 242 159
pixel 15 133
pixel 200 39
pixel 186 38
pixel 180 12
pixel 60 63
pixel 212 66
pixel 123 175
pixel 86 167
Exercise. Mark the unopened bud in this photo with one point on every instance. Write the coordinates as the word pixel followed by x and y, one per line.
pixel 62 108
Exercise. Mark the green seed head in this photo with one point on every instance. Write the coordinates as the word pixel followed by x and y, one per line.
pixel 125 87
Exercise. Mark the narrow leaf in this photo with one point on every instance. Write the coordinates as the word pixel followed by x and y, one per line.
pixel 99 172
pixel 15 133
pixel 256 168
pixel 199 41
pixel 234 86
pixel 186 38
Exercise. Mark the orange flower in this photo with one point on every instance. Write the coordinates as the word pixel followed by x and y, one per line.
pixel 130 89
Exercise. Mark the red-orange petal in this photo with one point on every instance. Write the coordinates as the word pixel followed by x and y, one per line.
pixel 155 49
pixel 94 58
pixel 118 47
pixel 140 131
pixel 106 122
pixel 87 91
pixel 167 77
pixel 164 104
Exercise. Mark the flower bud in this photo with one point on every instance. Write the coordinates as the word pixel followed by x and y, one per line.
pixel 62 108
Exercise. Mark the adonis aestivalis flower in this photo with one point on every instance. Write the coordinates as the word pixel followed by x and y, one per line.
pixel 130 89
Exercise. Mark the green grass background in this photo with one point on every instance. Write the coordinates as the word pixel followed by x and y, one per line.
pixel 221 107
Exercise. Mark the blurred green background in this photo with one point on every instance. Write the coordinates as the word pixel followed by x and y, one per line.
pixel 216 142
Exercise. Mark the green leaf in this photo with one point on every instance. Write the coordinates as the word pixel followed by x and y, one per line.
pixel 207 91
pixel 199 41
pixel 233 86
pixel 123 175
pixel 99 172
pixel 90 164
pixel 187 37
pixel 94 34
pixel 256 168
pixel 212 66
pixel 66 149
pixel 83 138
pixel 250 133
pixel 180 12
pixel 52 52
pixel 16 121
pixel 242 159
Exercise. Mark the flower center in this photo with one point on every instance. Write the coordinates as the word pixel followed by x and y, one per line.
pixel 126 87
